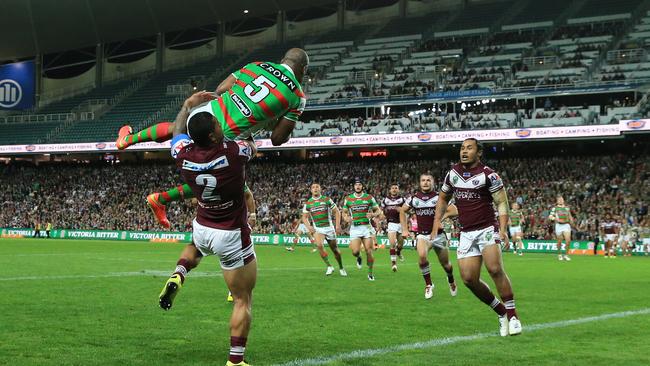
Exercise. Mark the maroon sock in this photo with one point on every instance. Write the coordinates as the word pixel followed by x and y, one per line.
pixel 426 272
pixel 237 348
pixel 392 255
pixel 509 303
pixel 496 305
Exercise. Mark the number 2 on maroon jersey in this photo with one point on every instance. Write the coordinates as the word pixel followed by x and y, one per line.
pixel 210 183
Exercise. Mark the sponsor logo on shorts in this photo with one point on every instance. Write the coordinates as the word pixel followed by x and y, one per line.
pixel 424 137
pixel 336 140
pixel 523 133
pixel 100 146
pixel 231 259
pixel 636 124
pixel 30 147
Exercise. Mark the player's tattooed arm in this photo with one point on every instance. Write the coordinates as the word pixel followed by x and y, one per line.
pixel 500 198
pixel 226 84
pixel 305 220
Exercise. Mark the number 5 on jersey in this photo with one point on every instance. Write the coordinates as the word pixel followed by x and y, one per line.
pixel 263 84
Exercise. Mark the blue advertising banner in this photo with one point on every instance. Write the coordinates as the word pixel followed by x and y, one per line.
pixel 17 85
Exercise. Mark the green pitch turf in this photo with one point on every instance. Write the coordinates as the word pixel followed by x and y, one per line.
pixel 95 303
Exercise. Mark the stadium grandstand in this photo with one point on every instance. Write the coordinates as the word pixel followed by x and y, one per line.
pixel 554 93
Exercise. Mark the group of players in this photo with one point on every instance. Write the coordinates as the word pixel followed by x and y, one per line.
pixel 211 142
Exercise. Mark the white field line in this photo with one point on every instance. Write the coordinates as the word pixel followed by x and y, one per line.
pixel 365 353
pixel 158 273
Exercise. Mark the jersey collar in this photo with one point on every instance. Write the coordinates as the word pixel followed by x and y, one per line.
pixel 289 69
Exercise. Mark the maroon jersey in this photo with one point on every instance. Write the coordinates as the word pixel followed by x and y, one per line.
pixel 217 175
pixel 391 206
pixel 472 190
pixel 609 227
pixel 424 204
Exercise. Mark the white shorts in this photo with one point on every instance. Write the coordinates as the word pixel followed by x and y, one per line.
pixel 472 243
pixel 394 227
pixel 610 237
pixel 561 228
pixel 361 231
pixel 515 230
pixel 234 248
pixel 302 228
pixel 646 241
pixel 327 231
pixel 439 241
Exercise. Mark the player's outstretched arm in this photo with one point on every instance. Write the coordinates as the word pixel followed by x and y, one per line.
pixel 180 124
pixel 282 131
pixel 226 84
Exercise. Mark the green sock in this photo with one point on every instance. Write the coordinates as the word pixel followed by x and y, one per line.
pixel 371 263
pixel 326 260
pixel 176 194
pixel 159 132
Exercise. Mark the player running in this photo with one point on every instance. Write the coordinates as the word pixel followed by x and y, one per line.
pixel 391 206
pixel 609 230
pixel 424 203
pixel 215 170
pixel 516 233
pixel 561 215
pixel 261 95
pixel 358 209
pixel 320 210
pixel 475 187
pixel 299 230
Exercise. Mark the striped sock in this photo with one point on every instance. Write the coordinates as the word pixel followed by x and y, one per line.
pixel 497 306
pixel 509 303
pixel 323 255
pixel 393 256
pixel 159 132
pixel 237 349
pixel 426 272
pixel 175 194
pixel 371 263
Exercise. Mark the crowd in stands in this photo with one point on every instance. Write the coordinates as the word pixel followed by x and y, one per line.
pixel 85 196
pixel 613 28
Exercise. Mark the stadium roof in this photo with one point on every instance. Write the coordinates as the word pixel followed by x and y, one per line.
pixel 36 26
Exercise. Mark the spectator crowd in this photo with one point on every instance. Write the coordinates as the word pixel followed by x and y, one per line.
pixel 112 197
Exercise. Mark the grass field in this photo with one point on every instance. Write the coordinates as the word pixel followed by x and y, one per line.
pixel 95 303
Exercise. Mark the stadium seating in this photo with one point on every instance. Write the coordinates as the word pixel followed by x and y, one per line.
pixel 540 45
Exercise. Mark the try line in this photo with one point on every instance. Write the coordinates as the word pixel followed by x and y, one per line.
pixel 365 353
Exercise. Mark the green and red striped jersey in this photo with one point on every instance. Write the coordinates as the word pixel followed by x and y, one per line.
pixel 263 92
pixel 516 217
pixel 359 207
pixel 320 210
pixel 561 213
